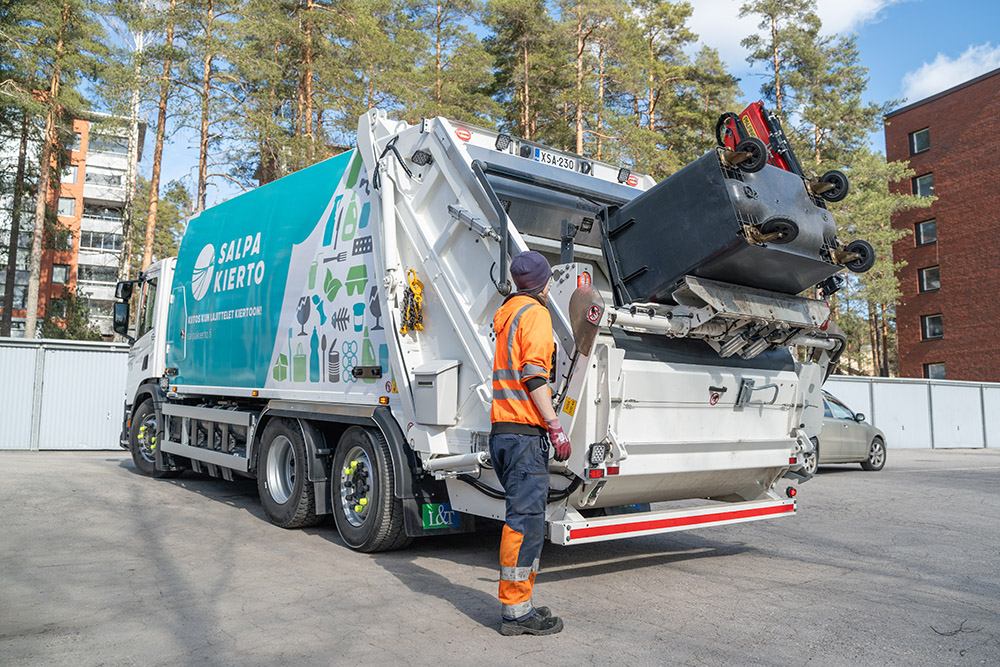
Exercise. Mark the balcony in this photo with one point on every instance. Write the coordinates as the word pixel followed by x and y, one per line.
pixel 106 194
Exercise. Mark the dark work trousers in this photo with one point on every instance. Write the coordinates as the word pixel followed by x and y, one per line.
pixel 522 464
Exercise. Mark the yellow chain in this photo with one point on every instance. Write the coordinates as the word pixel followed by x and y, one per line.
pixel 413 315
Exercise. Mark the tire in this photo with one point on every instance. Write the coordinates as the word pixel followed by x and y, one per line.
pixel 876 456
pixel 866 256
pixel 368 514
pixel 758 154
pixel 787 228
pixel 143 436
pixel 840 185
pixel 812 460
pixel 285 492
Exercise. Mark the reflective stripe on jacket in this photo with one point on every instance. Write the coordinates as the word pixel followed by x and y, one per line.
pixel 524 349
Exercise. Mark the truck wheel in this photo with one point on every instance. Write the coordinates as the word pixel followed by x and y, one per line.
pixel 143 436
pixel 876 456
pixel 285 492
pixel 368 514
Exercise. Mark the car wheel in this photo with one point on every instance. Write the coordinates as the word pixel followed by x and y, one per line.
pixel 368 514
pixel 876 456
pixel 812 459
pixel 285 493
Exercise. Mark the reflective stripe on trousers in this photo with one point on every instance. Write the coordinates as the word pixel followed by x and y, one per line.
pixel 521 462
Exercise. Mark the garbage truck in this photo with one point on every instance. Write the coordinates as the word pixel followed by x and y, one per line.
pixel 330 336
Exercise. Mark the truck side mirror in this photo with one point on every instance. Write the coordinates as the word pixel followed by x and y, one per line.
pixel 120 320
pixel 123 291
pixel 858 417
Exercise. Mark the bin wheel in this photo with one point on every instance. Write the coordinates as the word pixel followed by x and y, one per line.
pixel 840 185
pixel 866 256
pixel 758 154
pixel 368 514
pixel 787 228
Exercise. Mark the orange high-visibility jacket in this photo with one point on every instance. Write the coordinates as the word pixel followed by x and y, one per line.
pixel 524 350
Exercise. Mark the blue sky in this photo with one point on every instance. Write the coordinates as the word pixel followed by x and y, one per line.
pixel 912 48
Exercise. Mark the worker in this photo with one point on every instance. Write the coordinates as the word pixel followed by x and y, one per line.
pixel 524 424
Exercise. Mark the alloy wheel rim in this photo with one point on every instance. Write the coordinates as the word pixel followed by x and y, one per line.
pixel 281 469
pixel 357 486
pixel 877 454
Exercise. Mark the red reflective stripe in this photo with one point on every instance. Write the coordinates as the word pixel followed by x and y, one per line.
pixel 637 526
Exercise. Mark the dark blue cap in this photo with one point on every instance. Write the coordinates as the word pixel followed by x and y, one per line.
pixel 530 271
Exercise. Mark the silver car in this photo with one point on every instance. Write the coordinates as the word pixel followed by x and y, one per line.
pixel 846 438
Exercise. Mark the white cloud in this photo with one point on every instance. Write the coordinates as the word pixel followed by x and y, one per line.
pixel 945 72
pixel 718 25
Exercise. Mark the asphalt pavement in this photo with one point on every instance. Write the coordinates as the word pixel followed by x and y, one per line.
pixel 101 566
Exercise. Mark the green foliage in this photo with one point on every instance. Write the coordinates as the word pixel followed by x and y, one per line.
pixel 68 319
pixel 175 207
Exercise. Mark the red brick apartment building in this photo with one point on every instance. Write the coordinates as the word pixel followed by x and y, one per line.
pixel 948 315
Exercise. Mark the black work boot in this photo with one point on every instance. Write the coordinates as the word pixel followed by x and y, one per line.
pixel 536 624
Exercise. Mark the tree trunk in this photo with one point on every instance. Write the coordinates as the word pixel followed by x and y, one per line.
pixel 308 84
pixel 777 64
pixel 581 44
pixel 161 122
pixel 437 59
pixel 650 103
pixel 15 229
pixel 42 194
pixel 885 342
pixel 128 212
pixel 206 80
pixel 526 99
pixel 873 336
pixel 600 96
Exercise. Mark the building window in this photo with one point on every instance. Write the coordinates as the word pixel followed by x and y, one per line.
pixel 103 176
pixel 920 141
pixel 108 144
pixel 102 213
pixel 923 186
pixel 934 371
pixel 60 274
pixel 931 326
pixel 67 206
pixel 98 274
pixel 62 239
pixel 100 241
pixel 69 175
pixel 929 278
pixel 77 141
pixel 926 232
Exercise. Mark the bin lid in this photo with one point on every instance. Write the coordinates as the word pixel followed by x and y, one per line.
pixel 436 366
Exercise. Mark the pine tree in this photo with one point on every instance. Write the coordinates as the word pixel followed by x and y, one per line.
pixel 60 44
pixel 786 23
pixel 173 211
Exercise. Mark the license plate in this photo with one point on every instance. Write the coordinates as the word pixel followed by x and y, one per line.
pixel 555 159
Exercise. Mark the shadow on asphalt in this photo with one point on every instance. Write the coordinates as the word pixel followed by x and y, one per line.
pixel 478 549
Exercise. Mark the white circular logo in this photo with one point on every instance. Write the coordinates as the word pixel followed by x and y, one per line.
pixel 204 267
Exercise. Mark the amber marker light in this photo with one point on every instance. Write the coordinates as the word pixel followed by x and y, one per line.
pixel 384 400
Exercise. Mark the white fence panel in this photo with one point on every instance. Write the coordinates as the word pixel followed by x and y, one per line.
pixel 991 413
pixel 58 394
pixel 856 395
pixel 958 416
pixel 902 412
pixel 82 400
pixel 17 372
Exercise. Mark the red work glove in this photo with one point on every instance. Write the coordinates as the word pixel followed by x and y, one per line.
pixel 560 442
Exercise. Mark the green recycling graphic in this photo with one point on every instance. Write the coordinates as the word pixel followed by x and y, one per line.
pixel 331 334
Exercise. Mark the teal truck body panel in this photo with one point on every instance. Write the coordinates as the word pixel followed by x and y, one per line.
pixel 272 287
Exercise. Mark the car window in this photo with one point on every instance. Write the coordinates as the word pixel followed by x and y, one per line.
pixel 826 410
pixel 840 412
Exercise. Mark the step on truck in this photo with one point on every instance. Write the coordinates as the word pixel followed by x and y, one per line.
pixel 329 335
